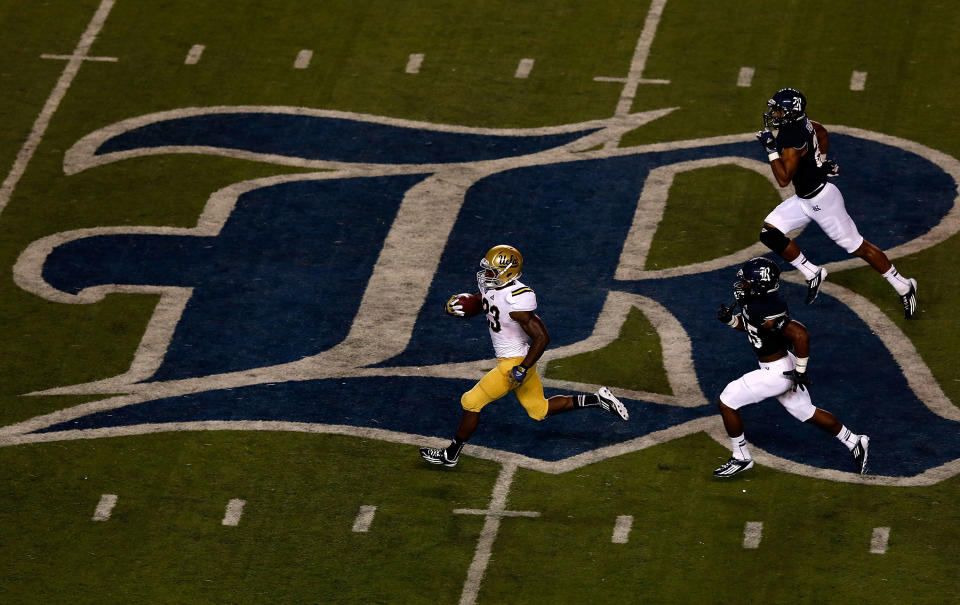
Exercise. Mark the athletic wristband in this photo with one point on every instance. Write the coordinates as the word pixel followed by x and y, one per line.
pixel 773 155
pixel 802 364
pixel 733 321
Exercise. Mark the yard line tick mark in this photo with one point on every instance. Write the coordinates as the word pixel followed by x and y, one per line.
pixel 105 507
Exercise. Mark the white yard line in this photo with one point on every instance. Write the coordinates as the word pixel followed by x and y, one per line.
pixel 303 59
pixel 752 534
pixel 53 102
pixel 414 63
pixel 364 519
pixel 193 56
pixel 878 542
pixel 621 530
pixel 858 80
pixel 489 532
pixel 68 57
pixel 105 507
pixel 234 512
pixel 637 65
pixel 524 68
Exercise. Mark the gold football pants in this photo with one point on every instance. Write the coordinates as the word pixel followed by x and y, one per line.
pixel 497 383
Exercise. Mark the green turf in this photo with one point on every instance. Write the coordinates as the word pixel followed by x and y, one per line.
pixel 686 542
pixel 711 212
pixel 639 364
pixel 164 541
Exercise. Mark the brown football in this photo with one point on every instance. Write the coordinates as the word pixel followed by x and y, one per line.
pixel 472 304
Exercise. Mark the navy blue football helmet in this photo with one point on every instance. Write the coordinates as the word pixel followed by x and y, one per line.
pixel 787 106
pixel 757 277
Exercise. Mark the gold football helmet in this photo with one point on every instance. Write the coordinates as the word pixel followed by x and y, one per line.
pixel 499 267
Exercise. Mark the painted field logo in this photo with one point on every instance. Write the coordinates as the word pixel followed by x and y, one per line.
pixel 311 301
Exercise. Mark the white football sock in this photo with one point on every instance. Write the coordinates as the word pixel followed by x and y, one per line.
pixel 848 438
pixel 803 264
pixel 740 450
pixel 899 283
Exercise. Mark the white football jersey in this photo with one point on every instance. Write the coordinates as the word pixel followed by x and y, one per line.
pixel 509 339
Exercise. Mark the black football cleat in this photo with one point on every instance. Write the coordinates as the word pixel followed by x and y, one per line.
pixel 731 467
pixel 813 285
pixel 909 300
pixel 437 456
pixel 860 453
pixel 611 404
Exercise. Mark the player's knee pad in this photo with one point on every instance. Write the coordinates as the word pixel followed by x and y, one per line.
pixel 538 414
pixel 773 238
pixel 474 400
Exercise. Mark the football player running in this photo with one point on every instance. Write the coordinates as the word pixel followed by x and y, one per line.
pixel 519 339
pixel 783 374
pixel 796 148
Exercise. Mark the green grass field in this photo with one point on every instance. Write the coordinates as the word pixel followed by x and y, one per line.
pixel 165 542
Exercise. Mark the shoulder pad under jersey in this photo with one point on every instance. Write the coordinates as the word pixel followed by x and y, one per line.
pixel 522 298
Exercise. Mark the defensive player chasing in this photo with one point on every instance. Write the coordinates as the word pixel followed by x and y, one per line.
pixel 519 339
pixel 798 153
pixel 782 374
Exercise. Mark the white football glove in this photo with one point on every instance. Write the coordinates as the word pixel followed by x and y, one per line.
pixel 453 307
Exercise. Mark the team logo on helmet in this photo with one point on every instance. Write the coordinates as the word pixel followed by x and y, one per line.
pixel 757 277
pixel 500 266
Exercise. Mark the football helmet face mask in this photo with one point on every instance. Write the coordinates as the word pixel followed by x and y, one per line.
pixel 501 265
pixel 787 106
pixel 757 277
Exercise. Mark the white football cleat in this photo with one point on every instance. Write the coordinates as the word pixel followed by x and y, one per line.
pixel 731 467
pixel 611 404
pixel 909 300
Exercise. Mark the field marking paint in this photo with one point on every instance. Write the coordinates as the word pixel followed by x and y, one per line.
pixel 501 513
pixel 194 54
pixel 710 425
pixel 234 512
pixel 524 68
pixel 364 518
pixel 621 530
pixel 303 59
pixel 745 77
pixel 488 534
pixel 752 534
pixel 917 374
pixel 640 55
pixel 858 80
pixel 653 202
pixel 53 102
pixel 68 57
pixel 414 63
pixel 878 542
pixel 105 507
pixel 635 74
pixel 28 275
